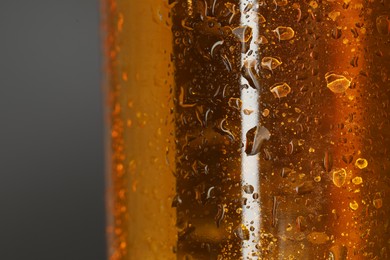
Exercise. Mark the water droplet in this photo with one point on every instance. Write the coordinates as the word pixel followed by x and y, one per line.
pixel 313 4
pixel 354 205
pixel 242 232
pixel 377 203
pixel 280 90
pixel 304 188
pixel 284 33
pixel 328 161
pixel 337 83
pixel 220 215
pixel 243 33
pixel 270 63
pixel 215 45
pixel 383 24
pixel 336 33
pixel 265 112
pixel 260 19
pixel 250 74
pixel 357 180
pixel 248 111
pixel 255 138
pixel 361 163
pixel 339 176
pixel 248 189
pixel 235 103
pixel 261 40
pixel 333 15
pixel 317 178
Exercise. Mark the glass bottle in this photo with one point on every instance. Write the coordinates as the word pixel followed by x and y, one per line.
pixel 248 129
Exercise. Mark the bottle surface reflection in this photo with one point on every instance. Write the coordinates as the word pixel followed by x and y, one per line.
pixel 248 129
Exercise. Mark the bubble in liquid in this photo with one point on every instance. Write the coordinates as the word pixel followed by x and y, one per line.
pixel 339 176
pixel 337 83
pixel 280 90
pixel 354 205
pixel 284 33
pixel 361 163
pixel 270 63
pixel 383 24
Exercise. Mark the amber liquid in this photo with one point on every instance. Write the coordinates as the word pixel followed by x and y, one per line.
pixel 248 129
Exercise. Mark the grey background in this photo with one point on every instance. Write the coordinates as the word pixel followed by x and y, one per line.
pixel 51 134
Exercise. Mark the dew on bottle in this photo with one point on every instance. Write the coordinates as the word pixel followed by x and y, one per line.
pixel 243 33
pixel 354 205
pixel 270 63
pixel 255 138
pixel 242 232
pixel 383 24
pixel 280 90
pixel 339 176
pixel 361 163
pixel 261 40
pixel 337 83
pixel 334 15
pixel 284 33
pixel 357 180
pixel 248 189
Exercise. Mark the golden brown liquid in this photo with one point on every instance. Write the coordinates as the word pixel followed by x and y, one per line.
pixel 248 129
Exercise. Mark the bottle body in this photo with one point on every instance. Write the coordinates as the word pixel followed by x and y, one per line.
pixel 248 129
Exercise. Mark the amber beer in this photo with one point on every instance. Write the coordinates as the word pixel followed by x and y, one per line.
pixel 248 129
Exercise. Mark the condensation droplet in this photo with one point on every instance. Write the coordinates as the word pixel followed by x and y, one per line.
pixel 243 33
pixel 284 33
pixel 383 24
pixel 339 176
pixel 260 19
pixel 242 232
pixel 361 163
pixel 261 40
pixel 333 15
pixel 235 103
pixel 354 205
pixel 270 63
pixel 337 83
pixel 255 138
pixel 280 90
pixel 248 189
pixel 247 112
pixel 265 112
pixel 357 180
pixel 377 203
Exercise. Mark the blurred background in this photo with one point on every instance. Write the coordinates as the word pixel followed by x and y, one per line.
pixel 51 131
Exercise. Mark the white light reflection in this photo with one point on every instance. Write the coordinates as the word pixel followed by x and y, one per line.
pixel 250 164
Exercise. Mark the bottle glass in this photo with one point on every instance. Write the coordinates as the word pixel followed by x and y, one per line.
pixel 253 129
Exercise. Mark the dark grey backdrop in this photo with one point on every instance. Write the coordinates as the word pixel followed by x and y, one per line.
pixel 51 148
